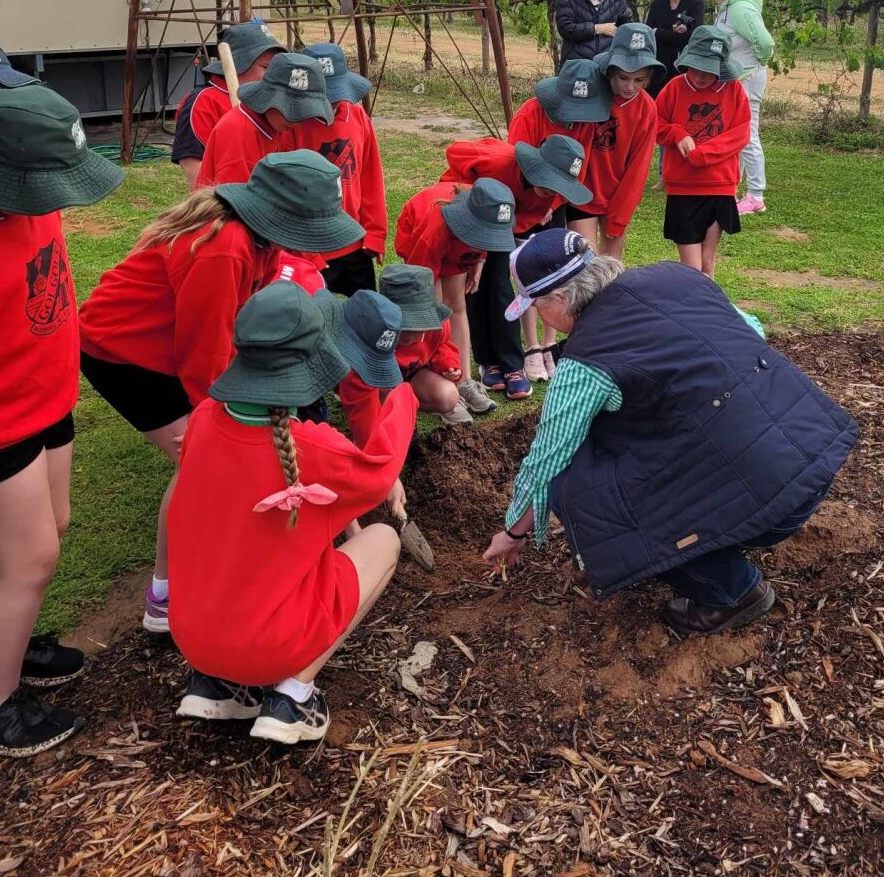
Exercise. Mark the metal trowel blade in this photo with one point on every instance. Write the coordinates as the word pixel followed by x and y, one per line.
pixel 414 543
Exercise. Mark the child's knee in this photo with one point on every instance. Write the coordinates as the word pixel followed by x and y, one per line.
pixel 62 520
pixel 440 396
pixel 36 571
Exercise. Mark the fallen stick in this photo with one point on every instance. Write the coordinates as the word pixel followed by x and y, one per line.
pixel 748 773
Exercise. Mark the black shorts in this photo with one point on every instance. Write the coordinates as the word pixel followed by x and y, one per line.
pixel 689 217
pixel 350 272
pixel 572 213
pixel 147 399
pixel 19 456
pixel 558 220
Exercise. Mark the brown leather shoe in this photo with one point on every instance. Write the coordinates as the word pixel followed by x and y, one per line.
pixel 686 616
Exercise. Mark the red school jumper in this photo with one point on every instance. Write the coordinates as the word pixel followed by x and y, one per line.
pixel 362 404
pixel 237 143
pixel 40 377
pixel 197 115
pixel 252 599
pixel 170 311
pixel 470 159
pixel 718 120
pixel 622 149
pixel 423 238
pixel 351 145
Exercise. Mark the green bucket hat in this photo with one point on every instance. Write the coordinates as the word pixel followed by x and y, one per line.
pixel 483 216
pixel 633 48
pixel 412 288
pixel 292 84
pixel 247 43
pixel 284 355
pixel 45 164
pixel 293 200
pixel 341 83
pixel 708 50
pixel 367 337
pixel 555 165
pixel 578 94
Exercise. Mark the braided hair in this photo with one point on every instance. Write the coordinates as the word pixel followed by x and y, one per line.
pixel 285 450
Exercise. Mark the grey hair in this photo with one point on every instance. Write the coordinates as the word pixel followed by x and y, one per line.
pixel 581 289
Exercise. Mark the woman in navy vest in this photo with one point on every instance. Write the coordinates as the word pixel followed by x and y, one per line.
pixel 672 436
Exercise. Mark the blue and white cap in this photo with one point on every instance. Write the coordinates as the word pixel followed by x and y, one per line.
pixel 543 263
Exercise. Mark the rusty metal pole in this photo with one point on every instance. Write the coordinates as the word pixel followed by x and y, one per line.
pixel 127 147
pixel 361 49
pixel 503 77
pixel 245 10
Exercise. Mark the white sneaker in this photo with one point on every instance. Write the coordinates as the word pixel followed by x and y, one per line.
pixel 458 414
pixel 535 369
pixel 549 363
pixel 475 397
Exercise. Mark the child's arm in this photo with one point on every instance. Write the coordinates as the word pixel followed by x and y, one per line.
pixel 668 132
pixel 732 140
pixel 373 206
pixel 446 356
pixel 519 130
pixel 362 407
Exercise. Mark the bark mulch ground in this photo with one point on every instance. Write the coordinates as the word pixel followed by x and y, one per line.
pixel 551 734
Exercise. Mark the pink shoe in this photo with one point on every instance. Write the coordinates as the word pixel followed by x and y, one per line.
pixel 750 204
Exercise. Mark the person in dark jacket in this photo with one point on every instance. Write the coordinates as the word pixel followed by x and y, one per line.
pixel 672 21
pixel 588 26
pixel 672 436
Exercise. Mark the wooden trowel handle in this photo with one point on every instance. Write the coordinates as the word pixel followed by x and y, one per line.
pixel 230 77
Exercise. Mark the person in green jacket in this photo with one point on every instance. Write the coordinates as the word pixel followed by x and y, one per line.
pixel 752 46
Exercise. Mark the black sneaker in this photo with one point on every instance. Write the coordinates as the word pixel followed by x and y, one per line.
pixel 29 726
pixel 285 720
pixel 47 663
pixel 211 698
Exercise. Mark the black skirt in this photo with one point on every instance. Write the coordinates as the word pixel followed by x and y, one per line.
pixel 689 217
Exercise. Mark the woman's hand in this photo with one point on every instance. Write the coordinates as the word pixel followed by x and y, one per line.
pixel 503 551
pixel 686 145
pixel 607 30
pixel 452 374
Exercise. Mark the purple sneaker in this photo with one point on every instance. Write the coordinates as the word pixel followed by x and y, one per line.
pixel 156 613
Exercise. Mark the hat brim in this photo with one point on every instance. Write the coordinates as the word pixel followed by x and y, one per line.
pixel 726 71
pixel 261 96
pixel 242 60
pixel 307 234
pixel 630 62
pixel 330 306
pixel 374 368
pixel 298 384
pixel 349 86
pixel 572 109
pixel 35 192
pixel 420 318
pixel 12 78
pixel 539 172
pixel 518 306
pixel 474 232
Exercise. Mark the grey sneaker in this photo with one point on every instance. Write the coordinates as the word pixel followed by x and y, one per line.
pixel 475 397
pixel 210 698
pixel 284 720
pixel 458 414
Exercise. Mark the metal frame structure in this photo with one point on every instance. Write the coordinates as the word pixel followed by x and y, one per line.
pixel 354 12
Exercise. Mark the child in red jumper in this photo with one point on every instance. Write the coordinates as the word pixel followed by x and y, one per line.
pixel 252 46
pixel 537 177
pixel 260 499
pixel 704 121
pixel 292 91
pixel 158 328
pixel 449 228
pixel 349 143
pixel 623 146
pixel 45 166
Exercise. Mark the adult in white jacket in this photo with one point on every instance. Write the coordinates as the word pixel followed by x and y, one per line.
pixel 752 46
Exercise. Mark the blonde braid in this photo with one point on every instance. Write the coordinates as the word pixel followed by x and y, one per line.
pixel 285 450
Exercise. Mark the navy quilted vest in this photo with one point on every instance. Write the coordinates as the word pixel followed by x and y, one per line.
pixel 719 437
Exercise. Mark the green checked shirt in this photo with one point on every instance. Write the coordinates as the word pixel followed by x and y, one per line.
pixel 577 393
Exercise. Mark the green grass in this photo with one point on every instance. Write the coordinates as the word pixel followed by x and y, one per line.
pixel 118 479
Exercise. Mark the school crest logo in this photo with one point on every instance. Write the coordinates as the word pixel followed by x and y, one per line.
pixel 387 341
pixel 267 32
pixel 299 79
pixel 50 294
pixel 504 213
pixel 704 121
pixel 605 135
pixel 717 46
pixel 328 65
pixel 78 134
pixel 341 154
pixel 580 89
pixel 576 167
pixel 637 42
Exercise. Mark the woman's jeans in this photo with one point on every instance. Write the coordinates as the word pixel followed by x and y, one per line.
pixel 752 156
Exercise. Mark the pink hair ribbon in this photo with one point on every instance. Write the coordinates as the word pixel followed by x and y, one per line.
pixel 294 495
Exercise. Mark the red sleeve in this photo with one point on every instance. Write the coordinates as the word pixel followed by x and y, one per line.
pixel 668 132
pixel 207 110
pixel 628 192
pixel 420 247
pixel 446 356
pixel 520 130
pixel 362 407
pixel 206 303
pixel 732 140
pixel 373 206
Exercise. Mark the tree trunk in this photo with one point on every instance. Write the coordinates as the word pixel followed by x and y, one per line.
pixel 331 25
pixel 428 35
pixel 865 94
pixel 553 34
pixel 486 49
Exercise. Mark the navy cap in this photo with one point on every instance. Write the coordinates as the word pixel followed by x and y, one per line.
pixel 543 263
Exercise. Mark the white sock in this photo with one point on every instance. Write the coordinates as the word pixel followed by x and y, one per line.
pixel 298 691
pixel 160 588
